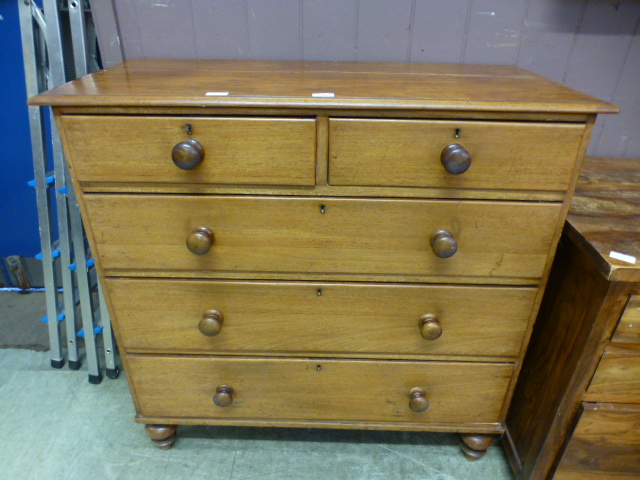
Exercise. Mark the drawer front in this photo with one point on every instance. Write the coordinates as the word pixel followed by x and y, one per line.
pixel 628 330
pixel 312 389
pixel 604 446
pixel 319 319
pixel 271 234
pixel 267 151
pixel 504 155
pixel 617 378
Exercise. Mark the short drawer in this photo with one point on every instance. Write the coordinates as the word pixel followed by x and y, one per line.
pixel 147 233
pixel 617 378
pixel 504 155
pixel 604 446
pixel 628 330
pixel 236 150
pixel 318 390
pixel 319 319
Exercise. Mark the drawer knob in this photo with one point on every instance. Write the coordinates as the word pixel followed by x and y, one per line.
pixel 455 159
pixel 430 327
pixel 200 240
pixel 443 243
pixel 418 402
pixel 187 155
pixel 223 396
pixel 211 323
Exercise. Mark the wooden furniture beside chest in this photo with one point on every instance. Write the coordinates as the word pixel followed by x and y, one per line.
pixel 369 257
pixel 576 409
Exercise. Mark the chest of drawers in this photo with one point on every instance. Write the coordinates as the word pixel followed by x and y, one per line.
pixel 323 244
pixel 576 409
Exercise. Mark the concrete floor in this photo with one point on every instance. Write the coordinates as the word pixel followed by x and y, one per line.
pixel 57 425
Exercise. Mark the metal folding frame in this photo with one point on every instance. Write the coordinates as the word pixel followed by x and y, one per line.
pixel 44 61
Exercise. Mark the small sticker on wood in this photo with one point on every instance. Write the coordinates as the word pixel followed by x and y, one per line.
pixel 623 257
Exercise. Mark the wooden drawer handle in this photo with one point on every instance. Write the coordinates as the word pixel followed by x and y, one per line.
pixel 418 402
pixel 211 323
pixel 430 327
pixel 223 396
pixel 200 240
pixel 443 244
pixel 187 155
pixel 455 159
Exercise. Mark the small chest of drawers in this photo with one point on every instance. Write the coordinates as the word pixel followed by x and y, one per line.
pixel 576 409
pixel 323 244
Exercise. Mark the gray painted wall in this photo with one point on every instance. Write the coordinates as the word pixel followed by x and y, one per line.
pixel 590 45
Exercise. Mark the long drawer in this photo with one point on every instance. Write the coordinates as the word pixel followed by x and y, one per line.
pixel 147 233
pixel 236 150
pixel 319 319
pixel 503 155
pixel 320 390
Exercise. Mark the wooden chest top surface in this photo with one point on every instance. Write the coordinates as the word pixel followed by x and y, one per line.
pixel 604 215
pixel 156 83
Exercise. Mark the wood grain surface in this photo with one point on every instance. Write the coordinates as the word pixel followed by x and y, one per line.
pixel 617 379
pixel 291 84
pixel 604 446
pixel 271 234
pixel 319 389
pixel 328 319
pixel 137 149
pixel 604 215
pixel 505 155
pixel 628 330
pixel 578 314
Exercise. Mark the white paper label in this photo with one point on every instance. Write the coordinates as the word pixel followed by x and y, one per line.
pixel 623 257
pixel 217 94
pixel 323 95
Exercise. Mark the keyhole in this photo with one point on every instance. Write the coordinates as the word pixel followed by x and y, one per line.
pixel 457 135
pixel 323 209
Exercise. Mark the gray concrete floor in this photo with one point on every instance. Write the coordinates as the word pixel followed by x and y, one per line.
pixel 57 425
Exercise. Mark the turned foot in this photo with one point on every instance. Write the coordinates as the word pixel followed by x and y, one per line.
pixel 162 436
pixel 474 445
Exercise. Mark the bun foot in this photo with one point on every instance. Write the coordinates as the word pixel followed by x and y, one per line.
pixel 474 445
pixel 162 436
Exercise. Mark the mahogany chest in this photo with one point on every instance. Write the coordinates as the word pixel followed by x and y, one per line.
pixel 343 245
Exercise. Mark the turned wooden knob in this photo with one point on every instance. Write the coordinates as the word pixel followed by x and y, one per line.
pixel 224 396
pixel 430 327
pixel 187 155
pixel 211 323
pixel 418 402
pixel 443 244
pixel 455 159
pixel 200 240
